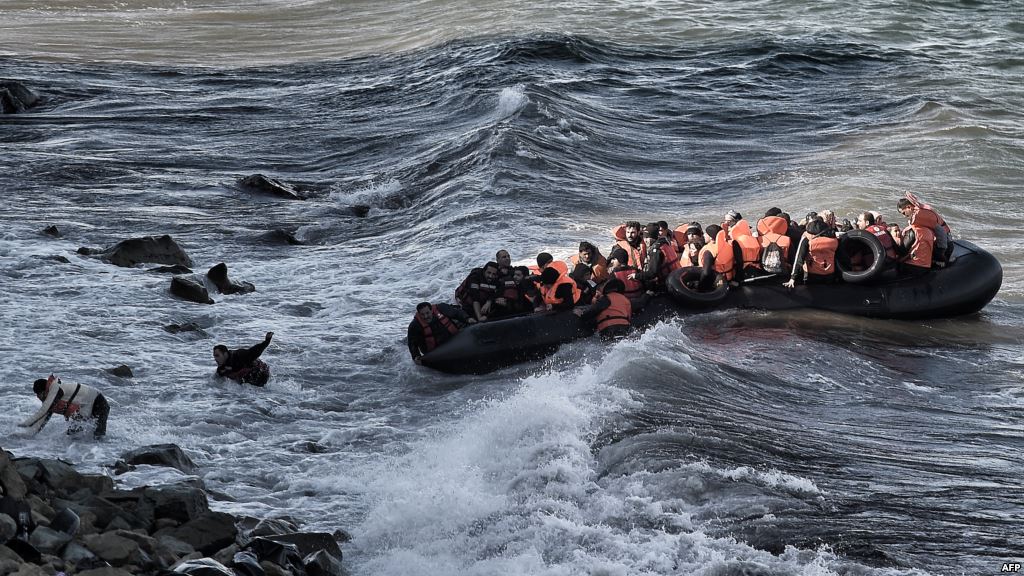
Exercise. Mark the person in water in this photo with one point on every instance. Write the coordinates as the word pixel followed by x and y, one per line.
pixel 75 402
pixel 433 325
pixel 243 365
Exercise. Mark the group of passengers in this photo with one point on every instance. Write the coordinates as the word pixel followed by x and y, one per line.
pixel 604 290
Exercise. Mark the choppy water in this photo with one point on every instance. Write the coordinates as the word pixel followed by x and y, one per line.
pixel 718 444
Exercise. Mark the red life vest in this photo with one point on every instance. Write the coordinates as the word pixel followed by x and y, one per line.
pixel 548 292
pixel 428 332
pixel 924 243
pixel 633 288
pixel 721 251
pixel 821 255
pixel 618 313
pixel 637 256
pixel 600 268
pixel 884 238
pixel 749 246
pixel 669 261
pixel 64 407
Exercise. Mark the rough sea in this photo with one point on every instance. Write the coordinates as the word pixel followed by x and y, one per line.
pixel 718 444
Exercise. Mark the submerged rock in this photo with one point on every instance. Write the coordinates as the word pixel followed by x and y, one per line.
pixel 176 269
pixel 219 276
pixel 190 288
pixel 170 455
pixel 155 249
pixel 121 371
pixel 52 230
pixel 274 187
pixel 15 97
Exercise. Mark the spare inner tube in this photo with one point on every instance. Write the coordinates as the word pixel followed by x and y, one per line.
pixel 860 257
pixel 682 286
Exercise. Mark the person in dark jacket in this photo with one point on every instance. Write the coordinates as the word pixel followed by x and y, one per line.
pixel 434 325
pixel 243 365
pixel 656 270
pixel 583 275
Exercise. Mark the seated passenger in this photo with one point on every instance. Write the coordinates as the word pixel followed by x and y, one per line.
pixel 746 251
pixel 557 291
pixel 716 258
pixel 612 312
pixel 866 222
pixel 544 260
pixel 504 261
pixel 925 216
pixel 662 259
pixel 584 278
pixel 915 247
pixel 589 255
pixel 775 244
pixel 668 234
pixel 480 292
pixel 434 325
pixel 815 259
pixel 694 242
pixel 630 249
pixel 516 294
pixel 731 218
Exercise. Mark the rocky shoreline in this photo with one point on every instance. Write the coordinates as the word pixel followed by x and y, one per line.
pixel 55 520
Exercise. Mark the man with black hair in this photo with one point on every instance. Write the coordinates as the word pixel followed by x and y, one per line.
pixel 612 312
pixel 662 259
pixel 433 325
pixel 75 402
pixel 630 251
pixel 557 291
pixel 243 365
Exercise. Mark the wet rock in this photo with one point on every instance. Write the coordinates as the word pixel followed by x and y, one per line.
pixel 8 527
pixel 15 97
pixel 176 269
pixel 75 553
pixel 52 230
pixel 66 521
pixel 179 502
pixel 272 527
pixel 176 547
pixel 207 533
pixel 186 327
pixel 279 236
pixel 58 258
pixel 87 251
pixel 11 481
pixel 115 549
pixel 272 186
pixel 360 210
pixel 170 455
pixel 203 567
pixel 219 276
pixel 320 563
pixel 309 542
pixel 191 289
pixel 155 249
pixel 30 570
pixel 121 371
pixel 48 540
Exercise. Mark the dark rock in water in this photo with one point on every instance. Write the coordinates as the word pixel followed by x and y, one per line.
pixel 219 276
pixel 10 480
pixel 161 455
pixel 179 502
pixel 121 371
pixel 15 97
pixel 122 467
pixel 360 210
pixel 86 251
pixel 176 269
pixel 280 553
pixel 190 289
pixel 187 327
pixel 59 258
pixel 274 187
pixel 208 533
pixel 309 542
pixel 52 230
pixel 321 563
pixel 341 536
pixel 272 527
pixel 203 567
pixel 279 236
pixel 160 250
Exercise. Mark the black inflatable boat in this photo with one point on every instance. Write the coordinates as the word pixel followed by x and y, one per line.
pixel 970 280
pixel 965 285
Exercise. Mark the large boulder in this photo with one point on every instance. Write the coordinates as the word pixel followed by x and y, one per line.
pixel 15 97
pixel 208 533
pixel 11 481
pixel 219 276
pixel 154 249
pixel 190 288
pixel 179 502
pixel 115 549
pixel 161 455
pixel 272 186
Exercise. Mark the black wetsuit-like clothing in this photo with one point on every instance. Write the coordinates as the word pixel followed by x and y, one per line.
pixel 244 366
pixel 418 341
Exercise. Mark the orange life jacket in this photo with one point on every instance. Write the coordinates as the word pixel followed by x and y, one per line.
pixel 821 255
pixel 428 332
pixel 669 261
pixel 925 215
pixel 618 313
pixel 749 246
pixel 600 267
pixel 882 233
pixel 548 292
pixel 559 265
pixel 721 251
pixel 924 243
pixel 633 288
